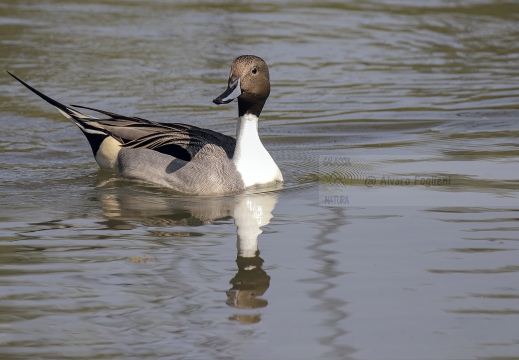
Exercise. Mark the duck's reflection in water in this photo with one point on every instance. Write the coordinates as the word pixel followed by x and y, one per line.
pixel 248 285
pixel 250 212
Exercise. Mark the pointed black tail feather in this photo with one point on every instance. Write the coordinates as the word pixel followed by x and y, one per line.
pixel 94 134
pixel 65 110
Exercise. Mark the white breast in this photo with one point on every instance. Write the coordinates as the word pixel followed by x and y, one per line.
pixel 251 159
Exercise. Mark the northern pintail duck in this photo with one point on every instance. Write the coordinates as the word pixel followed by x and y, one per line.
pixel 186 158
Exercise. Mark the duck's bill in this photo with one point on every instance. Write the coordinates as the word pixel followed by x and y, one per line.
pixel 232 92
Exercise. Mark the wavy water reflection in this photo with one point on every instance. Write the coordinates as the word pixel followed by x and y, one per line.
pixel 250 212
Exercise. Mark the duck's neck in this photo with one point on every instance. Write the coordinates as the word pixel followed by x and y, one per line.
pixel 251 159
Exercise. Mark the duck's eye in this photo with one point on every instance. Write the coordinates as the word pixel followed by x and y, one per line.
pixel 254 71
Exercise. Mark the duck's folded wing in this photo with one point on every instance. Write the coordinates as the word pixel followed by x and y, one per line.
pixel 179 140
pixel 126 128
pixel 184 141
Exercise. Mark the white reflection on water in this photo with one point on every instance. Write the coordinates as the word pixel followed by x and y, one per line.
pixel 250 211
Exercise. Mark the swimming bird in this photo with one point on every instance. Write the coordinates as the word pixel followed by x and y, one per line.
pixel 186 158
